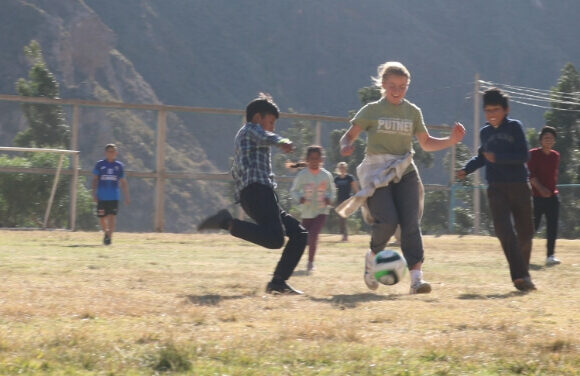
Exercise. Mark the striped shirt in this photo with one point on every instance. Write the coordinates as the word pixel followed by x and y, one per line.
pixel 252 161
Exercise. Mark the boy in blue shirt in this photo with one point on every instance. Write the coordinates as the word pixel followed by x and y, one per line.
pixel 108 175
pixel 254 190
pixel 504 153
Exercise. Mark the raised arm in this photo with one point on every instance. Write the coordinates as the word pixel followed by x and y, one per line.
pixel 430 143
pixel 266 138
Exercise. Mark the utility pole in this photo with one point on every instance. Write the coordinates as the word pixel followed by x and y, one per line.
pixel 476 175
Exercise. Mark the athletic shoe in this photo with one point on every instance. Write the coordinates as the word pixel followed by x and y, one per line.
pixel 420 287
pixel 552 260
pixel 369 277
pixel 281 288
pixel 221 220
pixel 524 284
pixel 107 239
pixel 310 267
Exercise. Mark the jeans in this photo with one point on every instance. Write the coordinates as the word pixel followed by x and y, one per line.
pixel 398 204
pixel 511 209
pixel 260 203
pixel 550 207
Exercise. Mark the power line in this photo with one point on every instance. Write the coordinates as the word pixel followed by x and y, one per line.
pixel 550 97
pixel 540 98
pixel 524 95
pixel 516 95
pixel 573 95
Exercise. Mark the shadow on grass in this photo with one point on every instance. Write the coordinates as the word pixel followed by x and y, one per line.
pixel 211 299
pixel 344 301
pixel 510 294
pixel 537 267
pixel 84 246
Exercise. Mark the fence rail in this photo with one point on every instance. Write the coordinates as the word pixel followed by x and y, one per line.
pixel 160 174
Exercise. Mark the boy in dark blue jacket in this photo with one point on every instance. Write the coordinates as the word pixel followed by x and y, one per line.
pixel 504 153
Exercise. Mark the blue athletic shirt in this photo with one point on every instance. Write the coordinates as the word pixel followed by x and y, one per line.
pixel 510 147
pixel 109 174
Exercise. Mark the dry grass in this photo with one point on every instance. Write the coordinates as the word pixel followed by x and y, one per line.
pixel 194 304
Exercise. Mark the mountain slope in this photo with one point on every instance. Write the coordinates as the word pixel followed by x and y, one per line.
pixel 81 51
pixel 314 56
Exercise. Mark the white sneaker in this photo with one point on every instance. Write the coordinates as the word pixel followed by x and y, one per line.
pixel 369 277
pixel 552 260
pixel 420 287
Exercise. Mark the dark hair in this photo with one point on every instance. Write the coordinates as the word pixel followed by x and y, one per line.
pixel 547 129
pixel 309 150
pixel 263 104
pixel 494 97
pixel 110 146
pixel 313 149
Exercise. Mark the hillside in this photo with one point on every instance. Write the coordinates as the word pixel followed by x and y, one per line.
pixel 314 56
pixel 81 51
pixel 311 56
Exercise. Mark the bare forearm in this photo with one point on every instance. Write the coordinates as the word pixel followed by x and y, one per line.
pixel 436 144
pixel 94 186
pixel 125 188
pixel 346 141
pixel 430 143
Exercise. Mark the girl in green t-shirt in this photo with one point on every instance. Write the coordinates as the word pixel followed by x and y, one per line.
pixel 390 124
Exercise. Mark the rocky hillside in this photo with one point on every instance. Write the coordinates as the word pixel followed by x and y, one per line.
pixel 82 52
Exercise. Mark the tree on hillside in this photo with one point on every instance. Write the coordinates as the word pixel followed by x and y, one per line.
pixel 47 126
pixel 565 117
pixel 23 197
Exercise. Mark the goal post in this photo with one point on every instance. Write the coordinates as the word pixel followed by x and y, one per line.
pixel 62 153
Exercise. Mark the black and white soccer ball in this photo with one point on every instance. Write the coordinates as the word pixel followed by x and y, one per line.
pixel 390 267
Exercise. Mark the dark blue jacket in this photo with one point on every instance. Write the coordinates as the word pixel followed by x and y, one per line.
pixel 508 143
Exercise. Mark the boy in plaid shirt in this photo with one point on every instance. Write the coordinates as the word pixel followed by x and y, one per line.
pixel 254 190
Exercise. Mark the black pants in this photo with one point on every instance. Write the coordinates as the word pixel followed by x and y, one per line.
pixel 550 207
pixel 511 209
pixel 260 203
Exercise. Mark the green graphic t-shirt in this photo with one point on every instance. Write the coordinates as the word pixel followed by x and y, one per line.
pixel 390 128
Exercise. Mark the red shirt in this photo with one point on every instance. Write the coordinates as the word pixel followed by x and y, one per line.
pixel 544 167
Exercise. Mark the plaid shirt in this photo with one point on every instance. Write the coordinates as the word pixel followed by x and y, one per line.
pixel 252 162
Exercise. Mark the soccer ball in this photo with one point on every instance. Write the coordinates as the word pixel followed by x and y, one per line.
pixel 389 267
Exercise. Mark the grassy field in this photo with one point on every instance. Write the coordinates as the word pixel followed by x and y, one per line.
pixel 195 305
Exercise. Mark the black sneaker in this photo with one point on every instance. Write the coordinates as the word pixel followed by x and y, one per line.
pixel 221 220
pixel 282 288
pixel 106 240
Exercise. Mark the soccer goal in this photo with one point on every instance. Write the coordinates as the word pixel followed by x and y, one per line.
pixel 29 169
